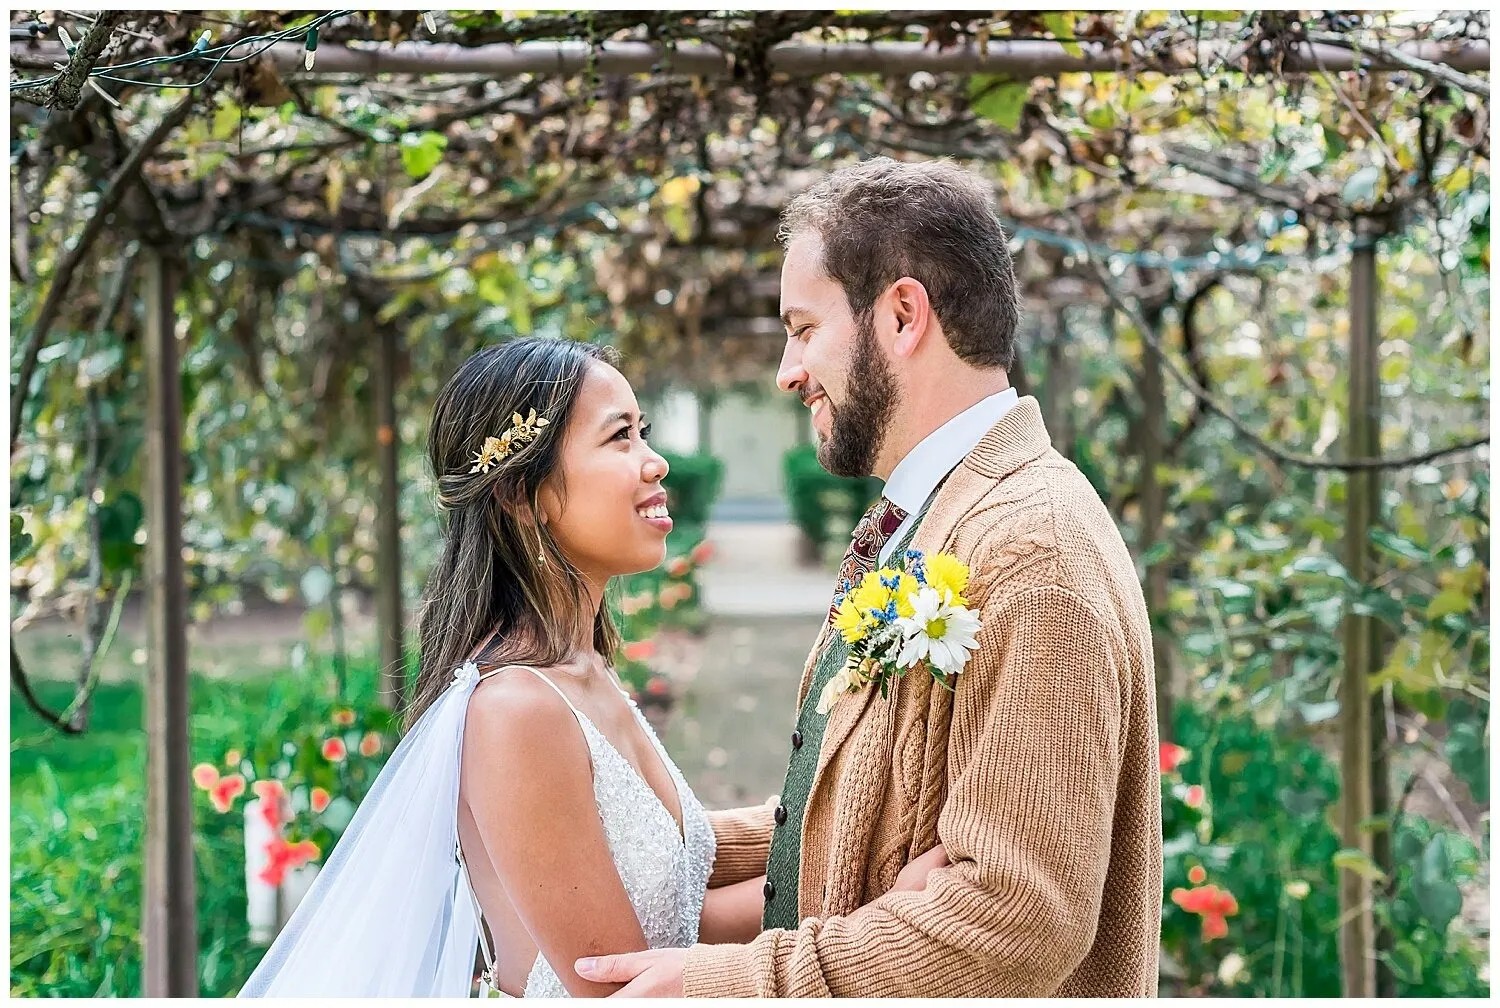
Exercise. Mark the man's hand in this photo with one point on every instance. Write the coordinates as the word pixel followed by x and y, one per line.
pixel 654 973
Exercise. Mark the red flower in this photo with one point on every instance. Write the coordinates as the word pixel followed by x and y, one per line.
pixel 1214 926
pixel 320 799
pixel 272 797
pixel 268 790
pixel 702 553
pixel 205 776
pixel 679 566
pixel 1171 756
pixel 1208 900
pixel 334 750
pixel 232 758
pixel 344 717
pixel 281 856
pixel 370 744
pixel 1194 796
pixel 658 686
pixel 225 791
pixel 1197 875
pixel 641 650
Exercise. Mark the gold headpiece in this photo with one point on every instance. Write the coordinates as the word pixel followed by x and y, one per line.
pixel 497 449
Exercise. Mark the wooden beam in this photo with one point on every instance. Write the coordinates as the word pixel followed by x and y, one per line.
pixel 170 931
pixel 1021 58
pixel 1356 892
pixel 389 617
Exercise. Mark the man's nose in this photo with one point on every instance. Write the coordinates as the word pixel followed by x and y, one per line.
pixel 791 376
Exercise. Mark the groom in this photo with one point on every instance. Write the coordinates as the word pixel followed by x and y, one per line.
pixel 1038 774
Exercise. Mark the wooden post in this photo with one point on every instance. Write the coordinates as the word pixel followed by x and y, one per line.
pixel 389 618
pixel 1059 384
pixel 1153 502
pixel 170 931
pixel 1356 936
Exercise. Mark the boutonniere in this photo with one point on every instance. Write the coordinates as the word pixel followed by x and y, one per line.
pixel 913 615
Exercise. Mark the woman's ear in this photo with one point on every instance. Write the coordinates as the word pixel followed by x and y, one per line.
pixel 514 502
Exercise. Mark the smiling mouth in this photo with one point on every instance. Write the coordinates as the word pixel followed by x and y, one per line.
pixel 653 511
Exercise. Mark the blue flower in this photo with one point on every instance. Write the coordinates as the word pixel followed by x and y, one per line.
pixel 890 583
pixel 918 569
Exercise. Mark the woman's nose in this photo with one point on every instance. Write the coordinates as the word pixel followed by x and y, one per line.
pixel 656 467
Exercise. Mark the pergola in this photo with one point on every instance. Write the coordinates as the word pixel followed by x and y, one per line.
pixel 692 72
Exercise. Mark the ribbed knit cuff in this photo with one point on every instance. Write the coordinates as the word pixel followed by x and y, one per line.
pixel 719 971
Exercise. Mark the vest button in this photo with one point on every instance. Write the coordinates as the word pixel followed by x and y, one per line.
pixel 796 740
pixel 770 891
pixel 780 815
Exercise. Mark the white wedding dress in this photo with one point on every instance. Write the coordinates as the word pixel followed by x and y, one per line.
pixel 392 913
pixel 665 873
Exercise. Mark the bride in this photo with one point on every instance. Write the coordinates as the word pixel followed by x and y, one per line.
pixel 530 810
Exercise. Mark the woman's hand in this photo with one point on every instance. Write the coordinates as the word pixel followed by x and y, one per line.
pixel 913 878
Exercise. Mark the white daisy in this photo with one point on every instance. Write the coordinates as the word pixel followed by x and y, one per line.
pixel 938 631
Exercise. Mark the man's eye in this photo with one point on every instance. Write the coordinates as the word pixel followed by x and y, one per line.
pixel 623 432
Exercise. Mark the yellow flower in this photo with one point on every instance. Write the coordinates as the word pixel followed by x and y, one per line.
pixel 906 587
pixel 947 574
pixel 870 593
pixel 850 622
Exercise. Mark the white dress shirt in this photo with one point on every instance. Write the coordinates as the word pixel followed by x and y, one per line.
pixel 935 456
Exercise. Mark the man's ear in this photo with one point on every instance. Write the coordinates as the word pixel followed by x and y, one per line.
pixel 912 311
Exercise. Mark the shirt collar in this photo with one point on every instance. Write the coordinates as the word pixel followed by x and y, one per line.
pixel 923 468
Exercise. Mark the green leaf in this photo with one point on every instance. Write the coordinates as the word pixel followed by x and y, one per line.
pixel 1061 25
pixel 1158 552
pixel 226 121
pixel 1437 896
pixel 1357 861
pixel 1317 563
pixel 1217 16
pixel 1469 756
pixel 422 152
pixel 1446 602
pixel 1399 546
pixel 1001 105
pixel 20 539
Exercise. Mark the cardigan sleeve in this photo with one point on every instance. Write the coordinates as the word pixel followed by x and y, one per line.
pixel 742 838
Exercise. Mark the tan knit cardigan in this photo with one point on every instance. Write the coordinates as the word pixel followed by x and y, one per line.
pixel 1039 775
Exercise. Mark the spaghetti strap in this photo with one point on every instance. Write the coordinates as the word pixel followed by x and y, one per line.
pixel 538 672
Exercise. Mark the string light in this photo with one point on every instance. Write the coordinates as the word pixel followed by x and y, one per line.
pixel 430 22
pixel 312 49
pixel 202 50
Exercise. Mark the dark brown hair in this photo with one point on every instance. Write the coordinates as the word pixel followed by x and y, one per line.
pixel 488 577
pixel 882 219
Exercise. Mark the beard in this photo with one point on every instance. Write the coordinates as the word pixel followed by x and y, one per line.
pixel 856 429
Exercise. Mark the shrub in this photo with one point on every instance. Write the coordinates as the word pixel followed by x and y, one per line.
pixel 824 507
pixel 692 487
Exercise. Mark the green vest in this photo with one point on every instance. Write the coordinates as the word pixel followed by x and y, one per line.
pixel 784 864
